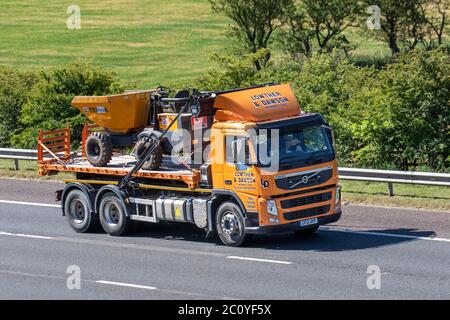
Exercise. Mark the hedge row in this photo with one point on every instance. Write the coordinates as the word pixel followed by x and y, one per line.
pixel 30 101
pixel 394 117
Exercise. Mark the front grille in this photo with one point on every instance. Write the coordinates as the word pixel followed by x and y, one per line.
pixel 301 214
pixel 299 192
pixel 303 201
pixel 303 180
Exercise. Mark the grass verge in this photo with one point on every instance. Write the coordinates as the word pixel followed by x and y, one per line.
pixel 405 195
pixel 28 170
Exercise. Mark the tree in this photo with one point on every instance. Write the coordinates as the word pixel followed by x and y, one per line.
pixel 405 24
pixel 392 12
pixel 329 19
pixel 320 23
pixel 233 71
pixel 298 37
pixel 255 22
pixel 435 14
pixel 413 27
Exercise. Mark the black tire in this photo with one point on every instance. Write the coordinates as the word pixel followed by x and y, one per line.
pixel 78 214
pixel 113 215
pixel 155 159
pixel 98 149
pixel 230 225
pixel 307 231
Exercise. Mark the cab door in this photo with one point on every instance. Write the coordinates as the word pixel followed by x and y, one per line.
pixel 240 175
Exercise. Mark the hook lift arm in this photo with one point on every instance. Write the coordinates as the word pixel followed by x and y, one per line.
pixel 127 180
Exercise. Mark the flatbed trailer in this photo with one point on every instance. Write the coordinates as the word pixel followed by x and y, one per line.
pixel 54 156
pixel 173 187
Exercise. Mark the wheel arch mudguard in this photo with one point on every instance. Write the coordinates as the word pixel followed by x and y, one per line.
pixel 220 195
pixel 251 218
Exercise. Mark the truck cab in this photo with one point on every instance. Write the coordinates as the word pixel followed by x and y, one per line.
pixel 277 162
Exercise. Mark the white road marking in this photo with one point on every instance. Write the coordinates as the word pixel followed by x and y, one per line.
pixel 31 203
pixel 259 260
pixel 59 278
pixel 381 234
pixel 24 235
pixel 121 284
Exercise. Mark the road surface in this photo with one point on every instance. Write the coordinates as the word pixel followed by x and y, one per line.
pixel 410 248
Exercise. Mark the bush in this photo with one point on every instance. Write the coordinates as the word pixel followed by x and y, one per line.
pixel 328 84
pixel 14 89
pixel 394 117
pixel 48 105
pixel 408 115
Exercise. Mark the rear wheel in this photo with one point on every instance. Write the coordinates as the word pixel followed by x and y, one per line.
pixel 230 225
pixel 98 149
pixel 155 159
pixel 113 215
pixel 78 213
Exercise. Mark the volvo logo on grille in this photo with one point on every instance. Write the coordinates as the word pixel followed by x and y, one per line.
pixel 304 179
pixel 293 180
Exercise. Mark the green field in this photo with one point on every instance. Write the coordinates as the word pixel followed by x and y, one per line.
pixel 147 42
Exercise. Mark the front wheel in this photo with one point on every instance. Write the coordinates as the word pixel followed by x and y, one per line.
pixel 230 225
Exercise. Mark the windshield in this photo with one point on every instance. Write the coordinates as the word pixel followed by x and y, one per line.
pixel 298 146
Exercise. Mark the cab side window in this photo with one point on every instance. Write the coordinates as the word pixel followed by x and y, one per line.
pixel 237 150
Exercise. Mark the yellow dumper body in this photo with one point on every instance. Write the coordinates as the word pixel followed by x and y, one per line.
pixel 121 113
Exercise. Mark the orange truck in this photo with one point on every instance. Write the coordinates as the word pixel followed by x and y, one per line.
pixel 259 163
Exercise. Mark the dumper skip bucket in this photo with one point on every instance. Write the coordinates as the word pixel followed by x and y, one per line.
pixel 121 113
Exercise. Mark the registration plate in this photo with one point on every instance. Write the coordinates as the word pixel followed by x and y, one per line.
pixel 308 222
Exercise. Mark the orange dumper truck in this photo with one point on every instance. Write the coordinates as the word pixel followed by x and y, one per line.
pixel 234 163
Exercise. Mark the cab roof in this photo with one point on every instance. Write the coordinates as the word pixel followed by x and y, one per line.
pixel 257 104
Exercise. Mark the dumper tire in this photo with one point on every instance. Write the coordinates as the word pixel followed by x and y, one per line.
pixel 98 149
pixel 155 160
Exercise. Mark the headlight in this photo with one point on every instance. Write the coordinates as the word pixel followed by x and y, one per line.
pixel 272 207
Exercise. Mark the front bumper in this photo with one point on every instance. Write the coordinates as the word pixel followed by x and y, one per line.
pixel 292 226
